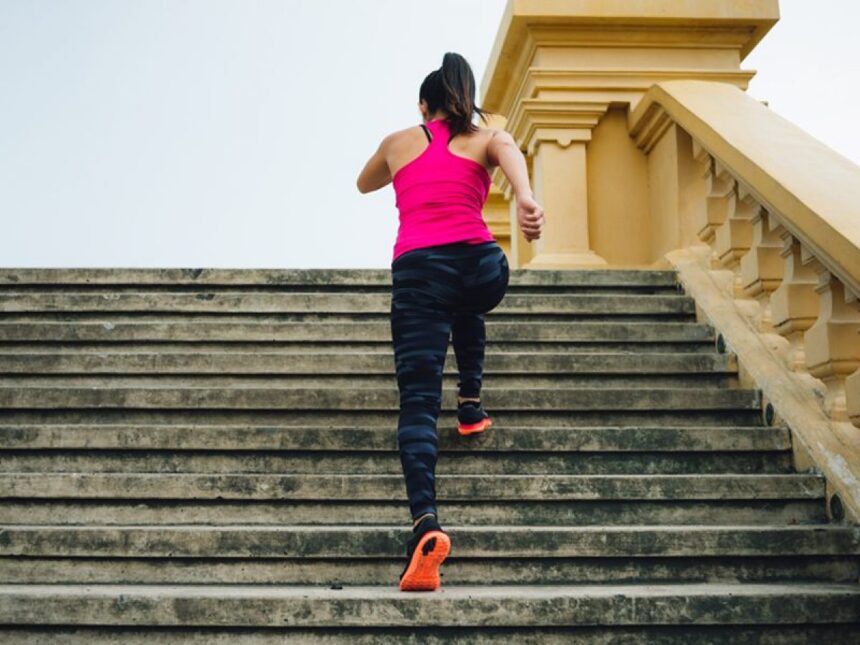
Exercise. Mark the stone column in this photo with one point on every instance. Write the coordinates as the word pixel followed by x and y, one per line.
pixel 561 188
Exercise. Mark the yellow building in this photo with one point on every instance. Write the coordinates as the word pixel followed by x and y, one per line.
pixel 645 151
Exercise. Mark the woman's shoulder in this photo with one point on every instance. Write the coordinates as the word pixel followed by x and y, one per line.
pixel 402 136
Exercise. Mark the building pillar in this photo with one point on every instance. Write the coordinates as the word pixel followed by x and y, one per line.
pixel 560 183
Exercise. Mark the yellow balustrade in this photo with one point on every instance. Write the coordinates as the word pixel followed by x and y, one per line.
pixel 771 192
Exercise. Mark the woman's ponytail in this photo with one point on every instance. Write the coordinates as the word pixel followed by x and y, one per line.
pixel 452 88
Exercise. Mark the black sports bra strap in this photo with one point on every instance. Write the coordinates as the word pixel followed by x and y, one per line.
pixel 427 132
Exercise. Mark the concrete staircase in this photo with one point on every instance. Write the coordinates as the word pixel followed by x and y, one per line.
pixel 210 456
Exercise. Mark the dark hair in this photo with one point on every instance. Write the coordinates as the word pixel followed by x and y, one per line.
pixel 452 88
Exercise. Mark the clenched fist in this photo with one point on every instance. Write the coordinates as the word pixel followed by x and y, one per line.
pixel 530 217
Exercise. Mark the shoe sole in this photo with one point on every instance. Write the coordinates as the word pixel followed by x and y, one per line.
pixel 423 571
pixel 473 428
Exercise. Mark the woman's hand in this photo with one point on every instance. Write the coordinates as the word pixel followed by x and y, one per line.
pixel 530 217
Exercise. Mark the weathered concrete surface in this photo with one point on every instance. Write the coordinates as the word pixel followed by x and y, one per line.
pixel 457 570
pixel 368 437
pixel 225 448
pixel 238 395
pixel 315 365
pixel 840 634
pixel 466 605
pixel 341 334
pixel 350 542
pixel 388 463
pixel 233 302
pixel 336 486
pixel 751 512
pixel 539 419
pixel 322 278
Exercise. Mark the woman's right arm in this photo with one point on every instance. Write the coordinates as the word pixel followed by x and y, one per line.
pixel 503 151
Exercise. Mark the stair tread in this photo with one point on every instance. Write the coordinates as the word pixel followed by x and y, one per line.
pixel 473 605
pixel 51 277
pixel 337 486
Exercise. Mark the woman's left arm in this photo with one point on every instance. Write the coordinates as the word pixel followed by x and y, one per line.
pixel 375 173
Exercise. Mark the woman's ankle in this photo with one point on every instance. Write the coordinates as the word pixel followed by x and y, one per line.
pixel 418 520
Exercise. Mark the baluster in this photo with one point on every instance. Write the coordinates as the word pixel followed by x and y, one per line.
pixel 832 345
pixel 721 201
pixel 733 239
pixel 794 304
pixel 761 268
pixel 852 383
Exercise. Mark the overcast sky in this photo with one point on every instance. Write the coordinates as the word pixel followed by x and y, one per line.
pixel 229 133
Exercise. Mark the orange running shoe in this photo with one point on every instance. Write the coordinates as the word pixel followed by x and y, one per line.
pixel 425 551
pixel 471 418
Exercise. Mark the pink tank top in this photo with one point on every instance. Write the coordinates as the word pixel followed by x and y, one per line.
pixel 440 196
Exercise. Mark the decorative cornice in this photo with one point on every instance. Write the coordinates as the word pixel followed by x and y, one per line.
pixel 528 25
pixel 536 120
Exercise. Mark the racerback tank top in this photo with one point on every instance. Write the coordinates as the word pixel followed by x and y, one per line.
pixel 440 196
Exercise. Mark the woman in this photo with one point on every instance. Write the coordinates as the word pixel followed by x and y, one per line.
pixel 447 272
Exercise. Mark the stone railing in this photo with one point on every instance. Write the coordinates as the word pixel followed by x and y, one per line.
pixel 774 217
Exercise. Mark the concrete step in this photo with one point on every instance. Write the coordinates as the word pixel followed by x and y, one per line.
pixel 334 418
pixel 336 486
pixel 317 278
pixel 693 380
pixel 366 462
pixel 349 542
pixel 15 394
pixel 353 335
pixel 615 381
pixel 456 570
pixel 232 302
pixel 386 606
pixel 186 435
pixel 480 512
pixel 837 634
pixel 264 361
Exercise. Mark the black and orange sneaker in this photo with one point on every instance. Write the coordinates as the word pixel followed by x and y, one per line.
pixel 425 551
pixel 471 418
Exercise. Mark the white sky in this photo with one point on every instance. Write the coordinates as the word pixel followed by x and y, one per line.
pixel 229 133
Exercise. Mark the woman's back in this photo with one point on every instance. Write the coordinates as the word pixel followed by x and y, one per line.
pixel 440 194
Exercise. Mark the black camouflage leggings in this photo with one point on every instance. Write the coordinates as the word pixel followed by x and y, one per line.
pixel 438 292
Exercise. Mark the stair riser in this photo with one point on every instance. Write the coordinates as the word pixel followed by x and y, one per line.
pixel 392 488
pixel 449 382
pixel 496 364
pixel 315 303
pixel 180 436
pixel 324 608
pixel 274 398
pixel 272 421
pixel 112 278
pixel 456 570
pixel 842 634
pixel 516 513
pixel 385 542
pixel 587 463
pixel 363 337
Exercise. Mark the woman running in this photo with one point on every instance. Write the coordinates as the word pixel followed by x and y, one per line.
pixel 447 272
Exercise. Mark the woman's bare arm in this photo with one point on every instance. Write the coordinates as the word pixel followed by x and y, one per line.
pixel 503 151
pixel 375 173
